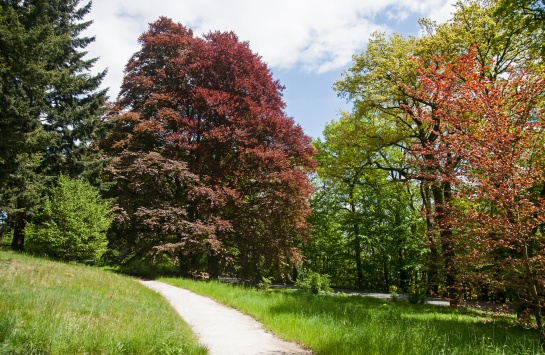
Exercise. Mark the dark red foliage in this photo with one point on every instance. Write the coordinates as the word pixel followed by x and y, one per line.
pixel 211 103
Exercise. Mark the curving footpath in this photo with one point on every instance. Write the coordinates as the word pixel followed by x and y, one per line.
pixel 223 330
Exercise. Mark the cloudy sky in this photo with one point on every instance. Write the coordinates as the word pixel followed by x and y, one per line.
pixel 306 43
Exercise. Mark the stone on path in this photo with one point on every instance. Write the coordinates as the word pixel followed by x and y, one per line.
pixel 223 330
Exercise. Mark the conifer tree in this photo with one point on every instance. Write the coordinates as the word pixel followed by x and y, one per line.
pixel 50 105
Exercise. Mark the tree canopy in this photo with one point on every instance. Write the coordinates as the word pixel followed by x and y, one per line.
pixel 211 106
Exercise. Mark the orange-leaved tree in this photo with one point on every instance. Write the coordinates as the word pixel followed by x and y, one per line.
pixel 493 129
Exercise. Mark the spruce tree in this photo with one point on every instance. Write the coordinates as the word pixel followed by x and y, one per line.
pixel 50 104
pixel 74 102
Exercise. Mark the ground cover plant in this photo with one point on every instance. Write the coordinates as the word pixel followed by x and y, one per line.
pixel 54 308
pixel 342 324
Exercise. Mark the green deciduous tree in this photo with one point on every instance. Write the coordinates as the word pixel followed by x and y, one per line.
pixel 363 212
pixel 72 224
pixel 528 14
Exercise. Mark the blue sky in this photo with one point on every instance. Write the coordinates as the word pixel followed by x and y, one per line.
pixel 307 44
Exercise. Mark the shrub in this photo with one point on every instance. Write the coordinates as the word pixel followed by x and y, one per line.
pixel 417 294
pixel 394 293
pixel 265 283
pixel 72 224
pixel 313 282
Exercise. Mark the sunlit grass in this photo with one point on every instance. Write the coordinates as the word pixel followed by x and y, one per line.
pixel 359 325
pixel 54 308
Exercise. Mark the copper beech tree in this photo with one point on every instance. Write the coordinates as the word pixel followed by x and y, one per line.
pixel 221 181
pixel 490 148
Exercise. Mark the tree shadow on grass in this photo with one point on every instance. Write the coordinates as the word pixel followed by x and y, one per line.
pixel 363 325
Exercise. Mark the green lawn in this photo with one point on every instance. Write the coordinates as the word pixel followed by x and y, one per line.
pixel 54 308
pixel 360 325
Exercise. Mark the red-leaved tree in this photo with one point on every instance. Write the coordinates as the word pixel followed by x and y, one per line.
pixel 212 104
pixel 494 131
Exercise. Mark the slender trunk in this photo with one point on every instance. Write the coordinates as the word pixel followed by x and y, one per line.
pixel 357 245
pixel 256 267
pixel 357 249
pixel 385 272
pixel 403 274
pixel 18 241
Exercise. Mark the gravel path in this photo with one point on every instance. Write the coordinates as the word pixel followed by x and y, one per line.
pixel 223 330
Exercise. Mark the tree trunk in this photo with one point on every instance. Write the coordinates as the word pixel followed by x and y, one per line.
pixel 442 196
pixel 213 266
pixel 403 274
pixel 18 241
pixel 433 265
pixel 357 247
pixel 532 284
pixel 386 273
pixel 356 240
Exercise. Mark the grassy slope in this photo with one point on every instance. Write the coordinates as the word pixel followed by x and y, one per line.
pixel 54 308
pixel 361 325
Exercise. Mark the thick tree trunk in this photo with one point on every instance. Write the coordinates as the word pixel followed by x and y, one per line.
pixel 356 238
pixel 184 264
pixel 18 241
pixel 536 300
pixel 213 266
pixel 433 265
pixel 442 196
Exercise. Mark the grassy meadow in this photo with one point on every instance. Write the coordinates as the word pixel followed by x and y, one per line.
pixel 342 324
pixel 49 307
pixel 55 308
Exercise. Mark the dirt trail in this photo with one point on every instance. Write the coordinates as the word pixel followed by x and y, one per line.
pixel 223 330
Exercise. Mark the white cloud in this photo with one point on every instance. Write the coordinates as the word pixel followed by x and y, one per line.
pixel 315 36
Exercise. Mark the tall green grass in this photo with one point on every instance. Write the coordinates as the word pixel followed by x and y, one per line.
pixel 334 324
pixel 54 308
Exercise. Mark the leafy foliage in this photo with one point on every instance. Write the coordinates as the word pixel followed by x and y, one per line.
pixel 210 105
pixel 313 282
pixel 494 129
pixel 381 83
pixel 153 194
pixel 72 225
pixel 369 220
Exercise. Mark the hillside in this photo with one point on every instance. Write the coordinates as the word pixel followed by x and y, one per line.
pixel 55 308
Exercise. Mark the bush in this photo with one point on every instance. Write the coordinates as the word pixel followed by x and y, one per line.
pixel 313 282
pixel 72 224
pixel 394 293
pixel 265 283
pixel 417 294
